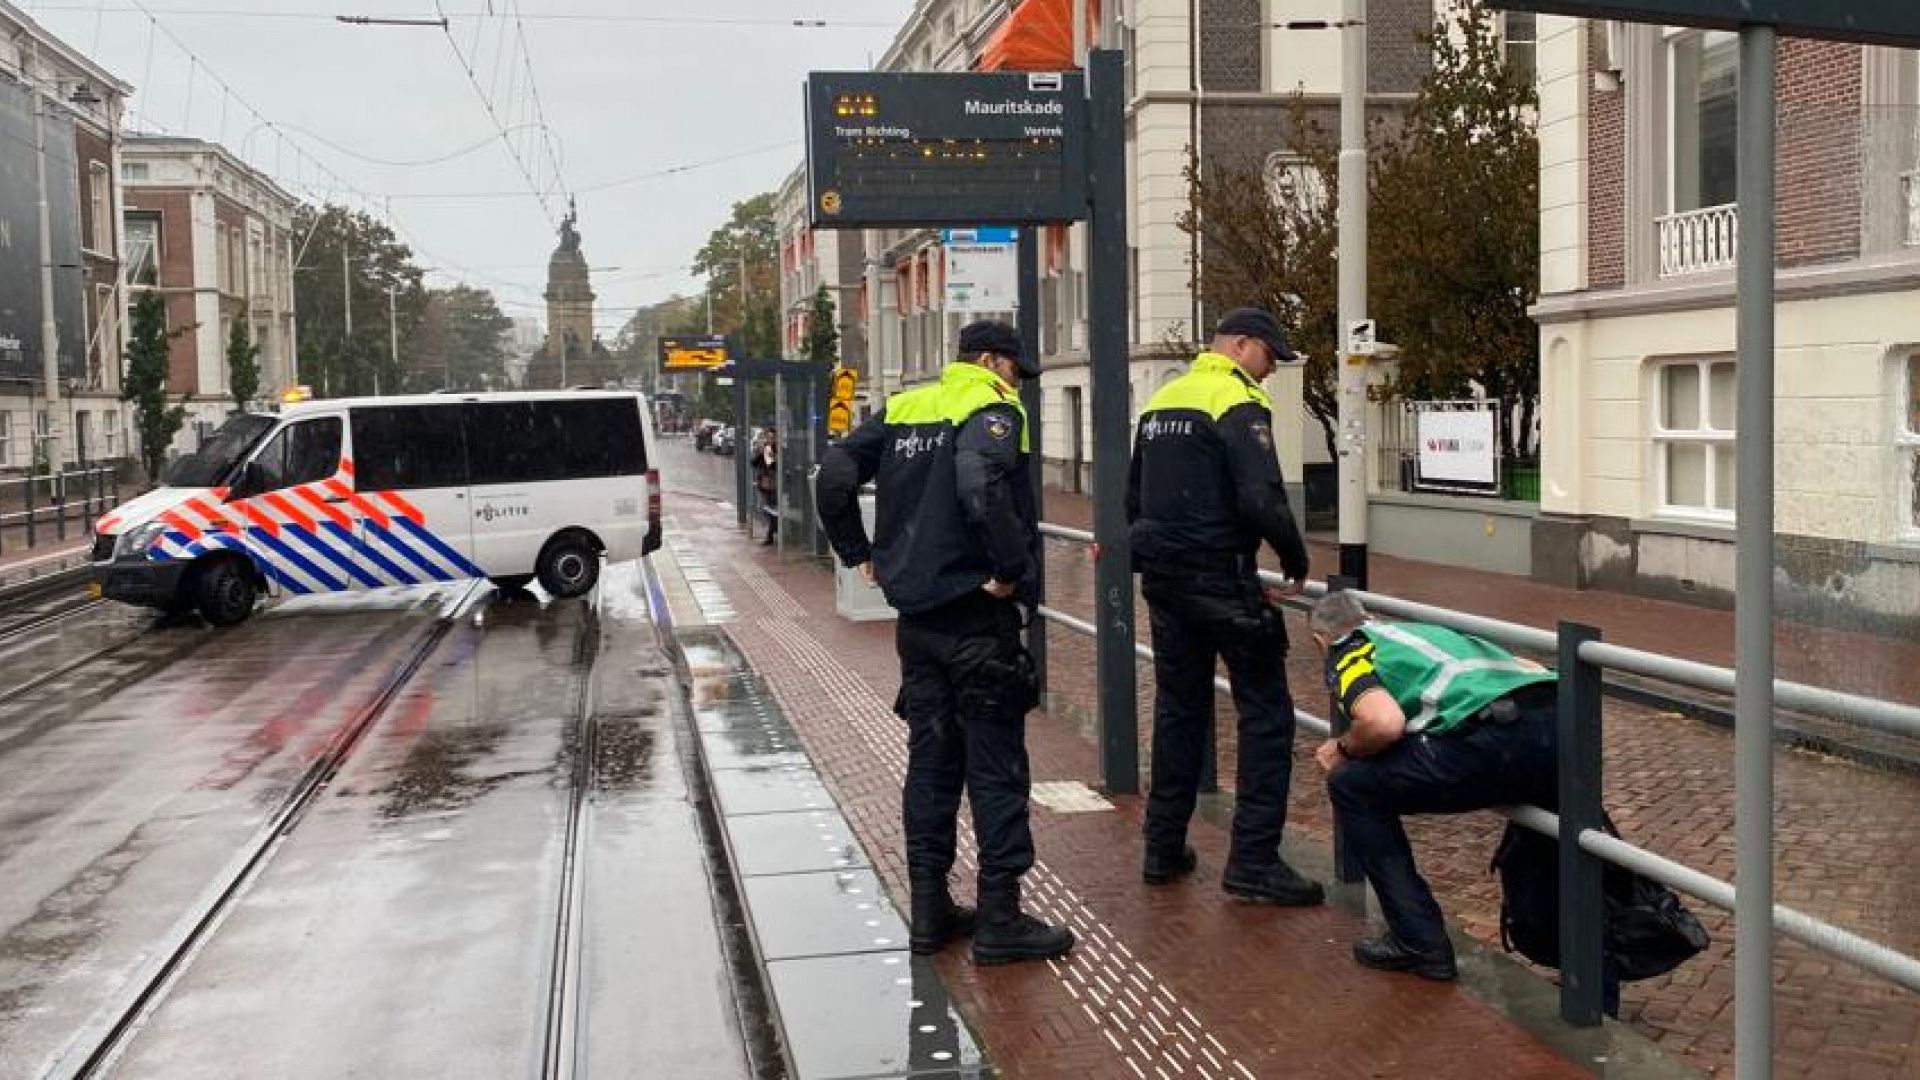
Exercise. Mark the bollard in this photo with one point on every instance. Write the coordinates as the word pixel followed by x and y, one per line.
pixel 1346 869
pixel 1582 903
pixel 59 494
pixel 30 482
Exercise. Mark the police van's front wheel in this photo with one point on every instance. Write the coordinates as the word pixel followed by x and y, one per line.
pixel 224 592
pixel 569 566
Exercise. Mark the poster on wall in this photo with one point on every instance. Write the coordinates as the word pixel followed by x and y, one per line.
pixel 1458 452
pixel 20 263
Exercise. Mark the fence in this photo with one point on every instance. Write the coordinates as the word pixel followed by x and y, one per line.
pixel 1459 470
pixel 36 510
pixel 1583 656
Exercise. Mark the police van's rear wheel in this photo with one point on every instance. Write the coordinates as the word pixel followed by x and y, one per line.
pixel 569 566
pixel 224 592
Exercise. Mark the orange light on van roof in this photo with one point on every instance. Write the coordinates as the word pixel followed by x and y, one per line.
pixel 294 395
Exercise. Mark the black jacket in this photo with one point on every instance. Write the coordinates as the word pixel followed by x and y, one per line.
pixel 955 506
pixel 1205 480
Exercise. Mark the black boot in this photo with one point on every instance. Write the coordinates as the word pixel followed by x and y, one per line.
pixel 937 921
pixel 1388 953
pixel 1276 884
pixel 1166 867
pixel 1006 935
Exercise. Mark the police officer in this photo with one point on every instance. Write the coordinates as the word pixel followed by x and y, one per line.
pixel 956 550
pixel 1442 723
pixel 1205 491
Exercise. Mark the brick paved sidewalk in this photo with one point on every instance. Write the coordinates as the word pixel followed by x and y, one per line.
pixel 1168 982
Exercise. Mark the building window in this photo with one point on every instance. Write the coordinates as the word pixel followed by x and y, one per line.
pixel 221 264
pixel 134 172
pixel 1909 444
pixel 1705 72
pixel 7 455
pixel 100 208
pixel 1693 438
pixel 143 248
pixel 1520 41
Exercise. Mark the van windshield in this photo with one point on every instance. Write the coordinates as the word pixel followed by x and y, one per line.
pixel 218 455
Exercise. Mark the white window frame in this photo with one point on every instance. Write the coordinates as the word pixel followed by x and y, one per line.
pixel 1906 444
pixel 1674 37
pixel 99 208
pixel 1718 441
pixel 154 252
pixel 1507 42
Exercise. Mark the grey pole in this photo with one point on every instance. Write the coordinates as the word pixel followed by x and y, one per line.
pixel 1753 574
pixel 393 339
pixel 1111 364
pixel 1028 317
pixel 49 325
pixel 1351 377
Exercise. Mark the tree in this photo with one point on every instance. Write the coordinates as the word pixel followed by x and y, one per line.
pixel 740 261
pixel 1270 240
pixel 462 343
pixel 243 365
pixel 823 330
pixel 145 384
pixel 335 362
pixel 1456 216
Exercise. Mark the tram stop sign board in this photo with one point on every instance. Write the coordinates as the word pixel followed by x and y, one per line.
pixel 1874 22
pixel 917 149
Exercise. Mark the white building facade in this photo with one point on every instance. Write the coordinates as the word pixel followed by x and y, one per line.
pixel 1638 242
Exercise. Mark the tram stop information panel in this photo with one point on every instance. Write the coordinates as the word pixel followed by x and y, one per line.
pixel 917 149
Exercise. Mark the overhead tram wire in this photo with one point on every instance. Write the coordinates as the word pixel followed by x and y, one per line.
pixel 613 18
pixel 607 185
pixel 526 171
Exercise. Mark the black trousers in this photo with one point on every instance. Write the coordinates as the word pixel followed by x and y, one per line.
pixel 966 728
pixel 1489 764
pixel 1198 617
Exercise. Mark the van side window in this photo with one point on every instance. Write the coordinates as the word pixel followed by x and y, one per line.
pixel 306 452
pixel 515 442
pixel 408 448
pixel 602 438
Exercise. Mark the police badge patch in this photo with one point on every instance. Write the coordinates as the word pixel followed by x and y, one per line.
pixel 999 427
pixel 1263 435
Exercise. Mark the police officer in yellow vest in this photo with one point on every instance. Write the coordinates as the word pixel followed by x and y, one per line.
pixel 1205 492
pixel 956 548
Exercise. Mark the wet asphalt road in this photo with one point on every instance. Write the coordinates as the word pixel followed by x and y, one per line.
pixel 453 903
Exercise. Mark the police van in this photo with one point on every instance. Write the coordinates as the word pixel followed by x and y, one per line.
pixel 338 496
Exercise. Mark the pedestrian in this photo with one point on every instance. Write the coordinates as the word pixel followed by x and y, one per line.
pixel 766 481
pixel 1442 723
pixel 956 550
pixel 1205 491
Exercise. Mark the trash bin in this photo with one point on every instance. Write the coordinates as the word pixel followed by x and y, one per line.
pixel 853 598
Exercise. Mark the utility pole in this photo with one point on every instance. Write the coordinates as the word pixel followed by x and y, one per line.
pixel 1352 374
pixel 393 342
pixel 49 325
pixel 346 294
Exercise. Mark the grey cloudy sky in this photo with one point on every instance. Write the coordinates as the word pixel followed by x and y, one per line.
pixel 630 87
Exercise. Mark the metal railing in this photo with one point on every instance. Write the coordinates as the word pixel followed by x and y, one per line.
pixel 36 510
pixel 1696 241
pixel 1910 189
pixel 1584 845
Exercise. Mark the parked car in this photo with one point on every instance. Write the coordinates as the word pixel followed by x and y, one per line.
pixel 704 433
pixel 724 442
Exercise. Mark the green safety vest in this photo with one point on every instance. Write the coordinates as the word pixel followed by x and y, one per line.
pixel 1441 677
pixel 963 389
pixel 1213 384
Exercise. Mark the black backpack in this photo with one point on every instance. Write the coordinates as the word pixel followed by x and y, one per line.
pixel 1649 932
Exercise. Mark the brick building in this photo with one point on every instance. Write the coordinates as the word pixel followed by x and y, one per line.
pixel 215 238
pixel 1638 243
pixel 58 105
pixel 1216 76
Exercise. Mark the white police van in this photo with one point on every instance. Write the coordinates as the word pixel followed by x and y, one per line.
pixel 336 496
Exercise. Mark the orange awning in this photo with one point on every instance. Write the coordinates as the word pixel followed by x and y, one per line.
pixel 1037 36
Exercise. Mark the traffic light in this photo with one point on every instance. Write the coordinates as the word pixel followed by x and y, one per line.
pixel 840 404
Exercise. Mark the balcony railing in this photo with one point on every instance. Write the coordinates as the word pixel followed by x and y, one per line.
pixel 1697 241
pixel 1910 188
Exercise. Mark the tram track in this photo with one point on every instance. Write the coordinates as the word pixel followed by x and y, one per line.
pixel 562 1054
pixel 93 1049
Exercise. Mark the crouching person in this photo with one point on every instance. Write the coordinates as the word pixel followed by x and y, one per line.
pixel 1441 723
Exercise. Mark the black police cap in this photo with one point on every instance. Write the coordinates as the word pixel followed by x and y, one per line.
pixel 988 336
pixel 1254 323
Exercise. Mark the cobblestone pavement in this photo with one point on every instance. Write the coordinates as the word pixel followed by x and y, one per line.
pixel 1167 982
pixel 1843 832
